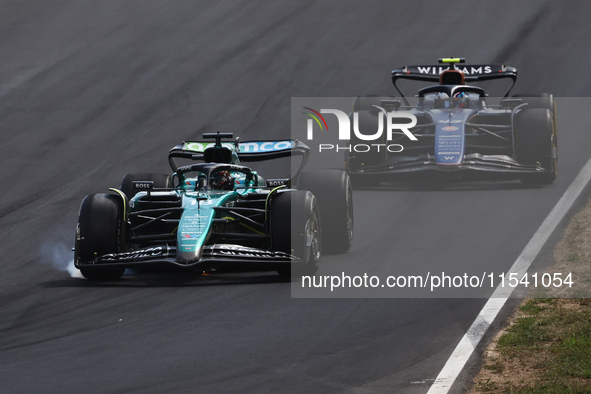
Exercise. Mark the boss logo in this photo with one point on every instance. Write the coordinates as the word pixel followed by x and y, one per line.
pixel 276 182
pixel 143 185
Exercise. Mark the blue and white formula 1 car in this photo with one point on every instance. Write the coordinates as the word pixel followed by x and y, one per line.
pixel 461 133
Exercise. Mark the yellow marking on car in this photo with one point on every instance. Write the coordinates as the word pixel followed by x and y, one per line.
pixel 124 197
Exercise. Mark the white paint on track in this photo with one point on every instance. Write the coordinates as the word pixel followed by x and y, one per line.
pixel 491 309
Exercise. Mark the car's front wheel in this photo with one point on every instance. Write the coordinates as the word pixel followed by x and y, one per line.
pixel 536 144
pixel 100 231
pixel 295 229
pixel 334 192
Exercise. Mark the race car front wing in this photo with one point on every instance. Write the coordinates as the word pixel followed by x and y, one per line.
pixel 217 254
pixel 472 163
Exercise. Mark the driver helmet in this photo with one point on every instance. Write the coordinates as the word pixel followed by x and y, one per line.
pixel 221 180
pixel 460 99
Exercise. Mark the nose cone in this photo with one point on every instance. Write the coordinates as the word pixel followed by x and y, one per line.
pixel 449 143
pixel 189 257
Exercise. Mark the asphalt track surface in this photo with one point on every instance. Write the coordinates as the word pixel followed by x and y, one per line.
pixel 90 91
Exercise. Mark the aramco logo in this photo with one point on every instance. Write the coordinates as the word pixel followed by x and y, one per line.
pixel 396 123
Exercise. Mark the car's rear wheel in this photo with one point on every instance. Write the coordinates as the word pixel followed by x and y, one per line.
pixel 161 181
pixel 295 229
pixel 536 144
pixel 334 192
pixel 100 231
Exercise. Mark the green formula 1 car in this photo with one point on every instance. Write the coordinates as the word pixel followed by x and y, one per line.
pixel 216 212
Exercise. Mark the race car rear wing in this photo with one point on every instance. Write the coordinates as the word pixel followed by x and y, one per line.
pixel 248 151
pixel 472 73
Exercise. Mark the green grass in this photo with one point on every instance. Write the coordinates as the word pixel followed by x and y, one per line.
pixel 547 349
pixel 554 337
pixel 573 356
pixel 527 333
pixel 551 388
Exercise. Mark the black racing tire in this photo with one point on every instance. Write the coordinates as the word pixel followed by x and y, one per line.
pixel 357 160
pixel 334 192
pixel 541 100
pixel 161 181
pixel 295 218
pixel 536 144
pixel 100 231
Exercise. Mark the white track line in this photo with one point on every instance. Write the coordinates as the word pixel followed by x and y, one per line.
pixel 489 312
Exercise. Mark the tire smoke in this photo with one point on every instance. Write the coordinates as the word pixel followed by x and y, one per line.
pixel 60 257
